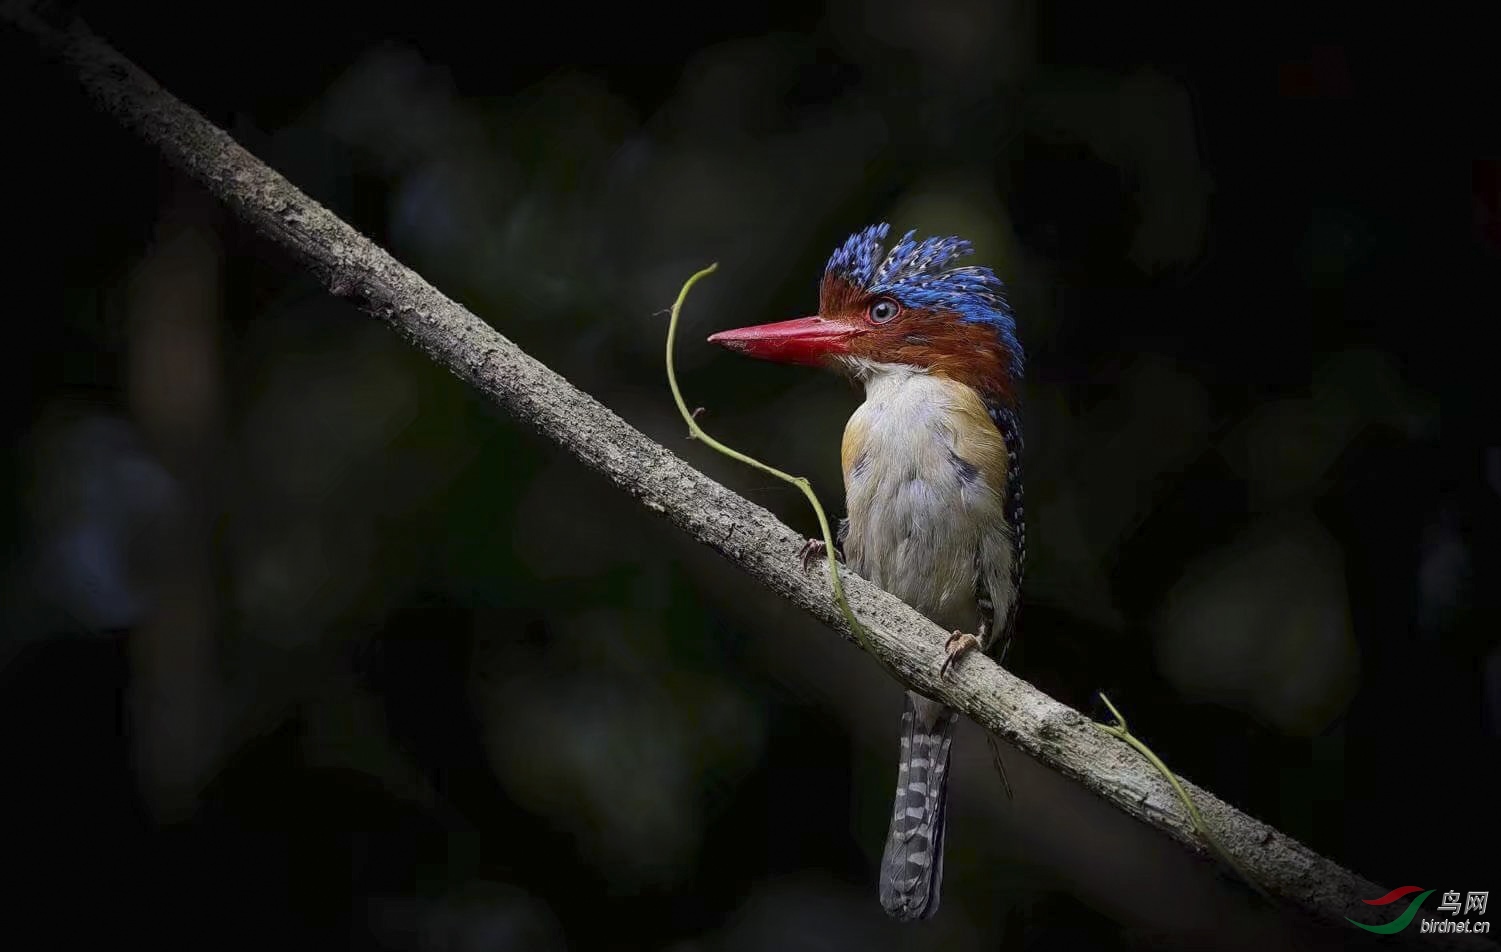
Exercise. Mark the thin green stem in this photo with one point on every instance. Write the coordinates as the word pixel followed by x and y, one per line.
pixel 697 432
pixel 1121 731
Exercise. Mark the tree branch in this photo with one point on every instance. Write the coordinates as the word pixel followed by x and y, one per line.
pixel 354 268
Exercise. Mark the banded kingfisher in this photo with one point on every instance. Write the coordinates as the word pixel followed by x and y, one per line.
pixel 932 482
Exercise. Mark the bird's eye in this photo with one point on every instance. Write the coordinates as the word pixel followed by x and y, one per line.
pixel 884 310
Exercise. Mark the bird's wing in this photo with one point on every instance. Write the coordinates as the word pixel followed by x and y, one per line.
pixel 999 631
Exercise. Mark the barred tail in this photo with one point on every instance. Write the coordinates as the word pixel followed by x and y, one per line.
pixel 912 865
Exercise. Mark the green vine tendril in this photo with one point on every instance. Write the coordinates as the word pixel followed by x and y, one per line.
pixel 697 432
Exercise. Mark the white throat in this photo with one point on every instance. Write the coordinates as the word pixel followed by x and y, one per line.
pixel 874 373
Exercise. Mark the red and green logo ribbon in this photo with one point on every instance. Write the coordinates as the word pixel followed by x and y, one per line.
pixel 1402 921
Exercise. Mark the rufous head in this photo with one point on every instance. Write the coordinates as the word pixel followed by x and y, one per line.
pixel 902 308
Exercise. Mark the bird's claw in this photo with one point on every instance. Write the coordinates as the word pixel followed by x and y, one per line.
pixel 958 645
pixel 815 549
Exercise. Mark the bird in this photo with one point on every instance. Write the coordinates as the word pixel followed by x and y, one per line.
pixel 932 473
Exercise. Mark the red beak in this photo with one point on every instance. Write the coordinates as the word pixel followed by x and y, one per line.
pixel 807 340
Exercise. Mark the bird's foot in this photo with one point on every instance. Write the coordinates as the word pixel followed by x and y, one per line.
pixel 815 549
pixel 958 645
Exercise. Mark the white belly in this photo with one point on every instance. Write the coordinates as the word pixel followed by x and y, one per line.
pixel 922 526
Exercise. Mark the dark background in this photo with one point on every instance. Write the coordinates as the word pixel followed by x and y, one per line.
pixel 303 645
